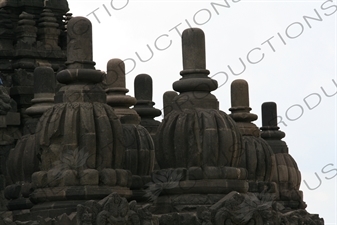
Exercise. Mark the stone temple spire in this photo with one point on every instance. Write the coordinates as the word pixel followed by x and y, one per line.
pixel 116 92
pixel 195 132
pixel 195 85
pixel 240 108
pixel 270 131
pixel 287 175
pixel 257 156
pixel 144 106
pixel 80 127
pixel 139 146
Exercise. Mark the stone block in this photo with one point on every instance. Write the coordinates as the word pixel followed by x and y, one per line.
pixel 89 177
pixel 39 179
pixel 13 191
pixel 234 173
pixel 107 177
pixel 211 172
pixel 137 182
pixel 195 173
pixel 69 178
pixel 13 118
pixel 182 172
pixel 3 123
pixel 58 178
pixel 146 179
pixel 27 189
pixel 129 184
pixel 122 177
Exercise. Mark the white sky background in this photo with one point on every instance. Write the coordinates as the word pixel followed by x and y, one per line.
pixel 287 76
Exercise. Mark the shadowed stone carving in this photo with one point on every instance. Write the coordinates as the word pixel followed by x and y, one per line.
pixel 113 210
pixel 195 132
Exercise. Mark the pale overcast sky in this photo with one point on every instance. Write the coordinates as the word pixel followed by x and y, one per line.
pixel 289 58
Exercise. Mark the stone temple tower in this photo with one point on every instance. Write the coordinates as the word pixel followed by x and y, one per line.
pixel 75 149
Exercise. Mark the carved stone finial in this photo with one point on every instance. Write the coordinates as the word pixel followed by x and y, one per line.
pixel 240 108
pixel 79 48
pixel 192 133
pixel 257 156
pixel 270 131
pixel 194 54
pixel 116 92
pixel 144 106
pixel 143 87
pixel 48 32
pixel 139 156
pixel 195 75
pixel 26 30
pixel 80 74
pixel 168 100
pixel 269 115
pixel 44 91
pixel 287 175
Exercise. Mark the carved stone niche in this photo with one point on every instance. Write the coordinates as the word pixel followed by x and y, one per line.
pixel 114 210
